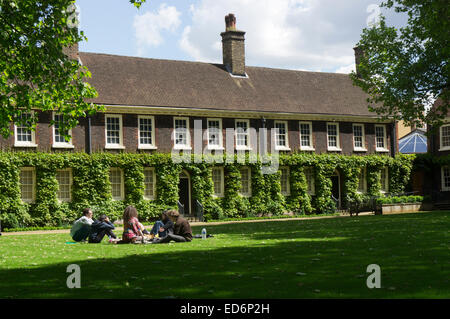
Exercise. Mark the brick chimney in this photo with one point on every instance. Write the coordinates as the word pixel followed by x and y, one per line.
pixel 358 56
pixel 72 51
pixel 233 44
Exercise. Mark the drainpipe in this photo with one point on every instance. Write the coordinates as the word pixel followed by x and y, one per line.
pixel 263 137
pixel 88 136
pixel 394 141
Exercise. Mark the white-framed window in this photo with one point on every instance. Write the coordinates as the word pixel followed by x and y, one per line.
pixel 284 181
pixel 384 179
pixel 182 136
pixel 310 180
pixel 306 138
pixel 113 131
pixel 215 136
pixel 445 177
pixel 359 139
pixel 149 183
pixel 246 182
pixel 380 138
pixel 444 132
pixel 281 136
pixel 362 181
pixel 242 134
pixel 333 137
pixel 64 178
pixel 117 183
pixel 218 181
pixel 27 179
pixel 58 140
pixel 146 129
pixel 24 136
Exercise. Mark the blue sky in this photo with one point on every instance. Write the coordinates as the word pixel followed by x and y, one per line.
pixel 313 35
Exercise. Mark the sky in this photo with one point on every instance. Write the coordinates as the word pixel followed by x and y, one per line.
pixel 311 35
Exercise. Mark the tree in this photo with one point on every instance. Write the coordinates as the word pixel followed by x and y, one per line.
pixel 405 70
pixel 36 69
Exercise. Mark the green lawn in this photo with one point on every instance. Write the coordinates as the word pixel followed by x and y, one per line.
pixel 322 258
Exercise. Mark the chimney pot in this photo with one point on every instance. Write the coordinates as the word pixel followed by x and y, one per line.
pixel 230 22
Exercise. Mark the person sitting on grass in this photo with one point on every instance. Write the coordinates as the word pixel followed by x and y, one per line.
pixel 181 229
pixel 82 226
pixel 101 227
pixel 162 227
pixel 132 232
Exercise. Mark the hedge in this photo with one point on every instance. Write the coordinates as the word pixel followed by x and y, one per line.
pixel 91 186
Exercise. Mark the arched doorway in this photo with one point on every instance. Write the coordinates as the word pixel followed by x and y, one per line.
pixel 184 192
pixel 336 187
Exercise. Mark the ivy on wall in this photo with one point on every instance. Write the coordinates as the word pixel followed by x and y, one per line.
pixel 91 186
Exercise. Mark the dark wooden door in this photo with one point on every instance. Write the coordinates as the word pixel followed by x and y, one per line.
pixel 183 194
pixel 335 188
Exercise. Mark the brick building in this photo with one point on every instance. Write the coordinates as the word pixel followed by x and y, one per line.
pixel 152 106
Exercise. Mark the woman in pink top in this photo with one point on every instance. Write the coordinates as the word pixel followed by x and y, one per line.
pixel 131 230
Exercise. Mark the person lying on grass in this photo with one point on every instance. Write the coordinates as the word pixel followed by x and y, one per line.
pixel 82 227
pixel 162 227
pixel 181 229
pixel 132 232
pixel 101 227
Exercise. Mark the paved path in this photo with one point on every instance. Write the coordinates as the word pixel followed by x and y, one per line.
pixel 119 229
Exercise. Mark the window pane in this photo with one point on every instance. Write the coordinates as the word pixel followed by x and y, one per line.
pixel 445 131
pixel 180 132
pixel 379 133
pixel 332 135
pixel 23 133
pixel 113 130
pixel 149 191
pixel 357 136
pixel 64 182
pixel 214 132
pixel 217 180
pixel 58 137
pixel 115 178
pixel 309 174
pixel 145 131
pixel 241 133
pixel 245 181
pixel 26 185
pixel 280 134
pixel 305 132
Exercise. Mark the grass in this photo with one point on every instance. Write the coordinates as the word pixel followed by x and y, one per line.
pixel 321 258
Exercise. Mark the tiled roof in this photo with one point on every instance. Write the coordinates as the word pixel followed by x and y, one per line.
pixel 135 81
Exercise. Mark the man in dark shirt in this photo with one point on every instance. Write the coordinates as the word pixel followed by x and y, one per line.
pixel 101 227
pixel 181 229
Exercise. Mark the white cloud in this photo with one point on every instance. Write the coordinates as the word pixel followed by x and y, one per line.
pixel 315 35
pixel 149 26
pixel 346 69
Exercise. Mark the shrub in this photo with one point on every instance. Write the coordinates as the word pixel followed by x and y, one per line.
pixel 91 186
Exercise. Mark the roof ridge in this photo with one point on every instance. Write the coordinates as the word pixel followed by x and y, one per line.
pixel 212 63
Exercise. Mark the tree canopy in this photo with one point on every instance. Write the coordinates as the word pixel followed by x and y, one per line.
pixel 405 70
pixel 36 69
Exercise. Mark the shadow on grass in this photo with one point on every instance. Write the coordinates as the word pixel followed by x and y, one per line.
pixel 299 259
